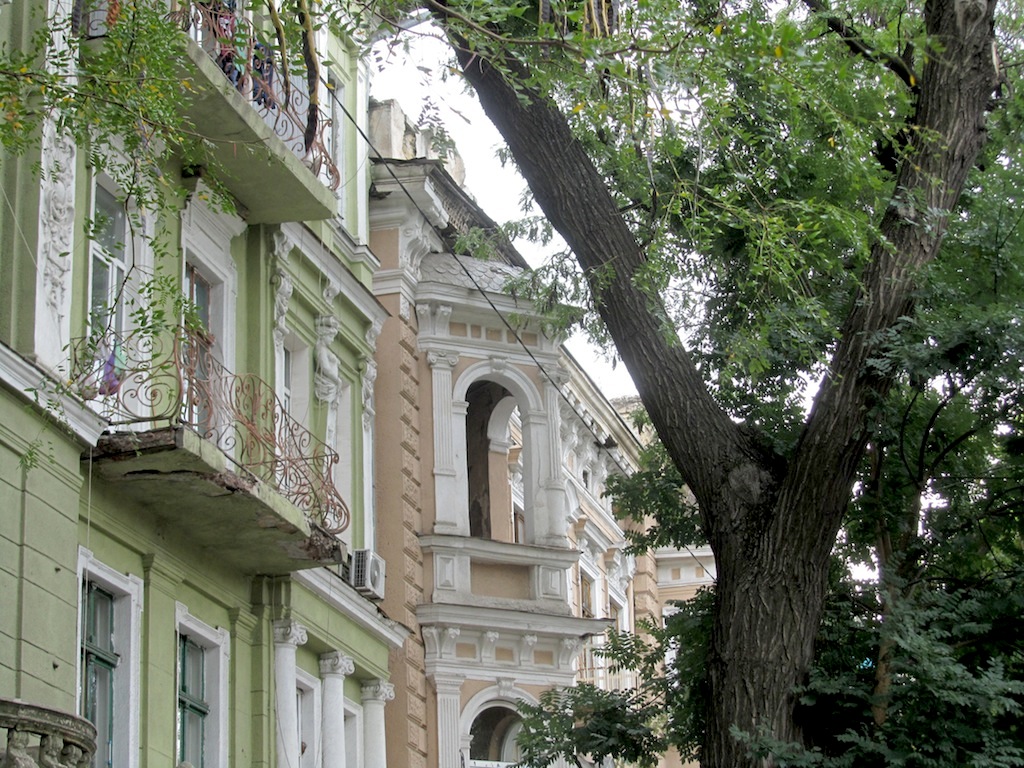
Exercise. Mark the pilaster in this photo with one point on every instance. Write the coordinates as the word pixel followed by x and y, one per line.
pixel 449 708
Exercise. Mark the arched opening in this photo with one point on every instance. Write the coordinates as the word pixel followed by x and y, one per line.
pixel 492 435
pixel 493 736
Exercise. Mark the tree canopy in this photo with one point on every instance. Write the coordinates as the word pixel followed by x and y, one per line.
pixel 795 223
pixel 799 225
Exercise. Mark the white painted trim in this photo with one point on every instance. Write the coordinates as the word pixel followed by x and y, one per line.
pixel 353 734
pixel 21 376
pixel 338 595
pixel 128 591
pixel 206 237
pixel 217 640
pixel 321 257
pixel 310 718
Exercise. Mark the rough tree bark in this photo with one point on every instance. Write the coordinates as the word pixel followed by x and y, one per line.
pixel 771 520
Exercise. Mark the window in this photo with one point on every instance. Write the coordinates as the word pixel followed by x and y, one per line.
pixel 198 291
pixel 107 263
pixel 353 734
pixel 99 662
pixel 586 597
pixel 308 708
pixel 210 279
pixel 294 378
pixel 109 659
pixel 286 380
pixel 192 705
pixel 493 736
pixel 202 692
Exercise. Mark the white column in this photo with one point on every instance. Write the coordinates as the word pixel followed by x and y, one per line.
pixel 334 667
pixel 449 708
pixel 288 635
pixel 375 695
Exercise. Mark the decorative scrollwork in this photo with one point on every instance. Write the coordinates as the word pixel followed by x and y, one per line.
pixel 145 378
pixel 251 65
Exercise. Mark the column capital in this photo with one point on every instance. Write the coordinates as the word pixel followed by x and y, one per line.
pixel 442 360
pixel 378 690
pixel 450 684
pixel 287 632
pixel 336 663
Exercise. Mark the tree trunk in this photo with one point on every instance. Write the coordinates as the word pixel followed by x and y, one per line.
pixel 771 522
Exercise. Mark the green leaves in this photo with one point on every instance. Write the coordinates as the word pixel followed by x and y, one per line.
pixel 584 720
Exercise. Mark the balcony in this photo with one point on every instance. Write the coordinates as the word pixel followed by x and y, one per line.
pixel 473 571
pixel 275 152
pixel 599 671
pixel 46 737
pixel 213 451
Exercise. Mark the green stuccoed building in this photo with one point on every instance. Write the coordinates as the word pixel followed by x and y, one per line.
pixel 188 571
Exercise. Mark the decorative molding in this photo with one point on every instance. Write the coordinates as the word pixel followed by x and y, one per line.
pixel 327 381
pixel 336 663
pixel 416 241
pixel 442 360
pixel 373 331
pixel 282 246
pixel 569 650
pixel 369 378
pixel 287 632
pixel 282 296
pixel 331 291
pixel 378 690
pixel 56 217
pixel 434 319
pixel 506 686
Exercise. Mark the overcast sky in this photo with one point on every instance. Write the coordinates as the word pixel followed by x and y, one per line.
pixel 498 190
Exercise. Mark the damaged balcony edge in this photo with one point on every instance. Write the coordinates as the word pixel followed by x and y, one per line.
pixel 242 517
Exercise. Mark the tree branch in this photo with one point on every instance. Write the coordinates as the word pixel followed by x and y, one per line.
pixel 858 46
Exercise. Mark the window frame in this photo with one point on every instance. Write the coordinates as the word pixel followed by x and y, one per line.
pixel 114 310
pixel 127 592
pixel 206 238
pixel 309 711
pixel 216 644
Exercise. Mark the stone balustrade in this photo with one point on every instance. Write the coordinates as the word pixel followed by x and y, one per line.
pixel 44 737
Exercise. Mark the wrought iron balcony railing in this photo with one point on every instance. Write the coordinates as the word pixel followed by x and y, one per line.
pixel 45 737
pixel 150 379
pixel 255 69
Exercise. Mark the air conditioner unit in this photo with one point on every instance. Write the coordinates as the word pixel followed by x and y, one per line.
pixel 367 573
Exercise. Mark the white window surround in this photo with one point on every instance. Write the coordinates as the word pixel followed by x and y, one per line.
pixel 217 642
pixel 353 734
pixel 622 608
pixel 299 384
pixel 127 590
pixel 544 503
pixel 116 258
pixel 206 237
pixel 308 703
pixel 504 694
pixel 590 572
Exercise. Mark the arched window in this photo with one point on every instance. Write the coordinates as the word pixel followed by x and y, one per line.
pixel 493 737
pixel 492 429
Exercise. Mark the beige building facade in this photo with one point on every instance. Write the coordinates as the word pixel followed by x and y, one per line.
pixel 505 562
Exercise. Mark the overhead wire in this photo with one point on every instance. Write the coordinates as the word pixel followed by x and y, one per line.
pixel 472 278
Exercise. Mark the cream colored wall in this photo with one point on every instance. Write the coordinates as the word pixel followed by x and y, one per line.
pixel 498 580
